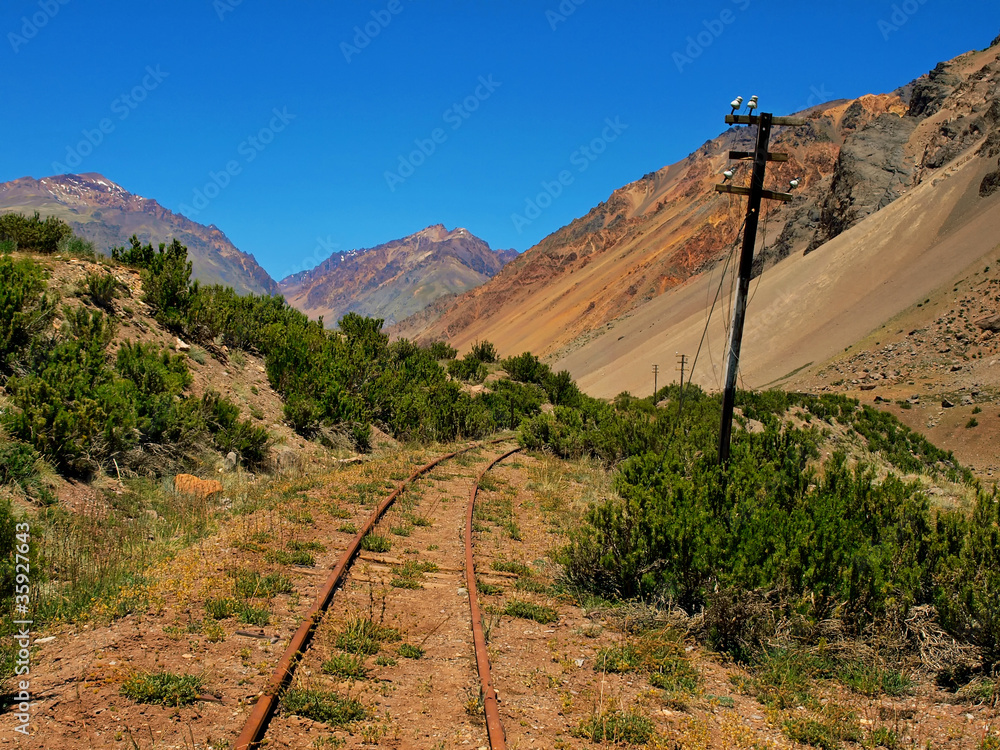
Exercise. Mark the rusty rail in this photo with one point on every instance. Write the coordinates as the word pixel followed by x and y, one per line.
pixel 267 703
pixel 494 728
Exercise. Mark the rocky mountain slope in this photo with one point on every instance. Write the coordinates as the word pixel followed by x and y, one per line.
pixel 638 252
pixel 395 279
pixel 107 215
pixel 944 225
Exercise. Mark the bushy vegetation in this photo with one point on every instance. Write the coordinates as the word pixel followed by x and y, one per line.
pixel 322 705
pixel 166 279
pixel 828 539
pixel 442 350
pixel 35 235
pixel 164 688
pixel 85 408
pixel 332 382
pixel 26 313
pixel 559 387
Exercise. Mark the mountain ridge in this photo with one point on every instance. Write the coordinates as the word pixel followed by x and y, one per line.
pixel 397 278
pixel 107 214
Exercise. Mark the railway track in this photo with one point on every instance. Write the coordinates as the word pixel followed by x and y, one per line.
pixel 256 727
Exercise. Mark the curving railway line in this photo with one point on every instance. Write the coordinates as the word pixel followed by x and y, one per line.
pixel 256 728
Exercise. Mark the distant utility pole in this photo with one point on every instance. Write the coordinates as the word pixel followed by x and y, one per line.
pixel 656 372
pixel 682 360
pixel 756 192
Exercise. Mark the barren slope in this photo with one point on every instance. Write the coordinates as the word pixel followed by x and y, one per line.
pixel 634 254
pixel 808 308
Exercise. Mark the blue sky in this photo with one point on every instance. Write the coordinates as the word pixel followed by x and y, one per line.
pixel 303 127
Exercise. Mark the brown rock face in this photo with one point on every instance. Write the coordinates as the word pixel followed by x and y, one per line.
pixel 107 215
pixel 200 488
pixel 854 158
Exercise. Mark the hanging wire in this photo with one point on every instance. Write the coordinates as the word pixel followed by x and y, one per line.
pixel 708 319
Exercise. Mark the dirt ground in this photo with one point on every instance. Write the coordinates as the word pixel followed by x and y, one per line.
pixel 548 671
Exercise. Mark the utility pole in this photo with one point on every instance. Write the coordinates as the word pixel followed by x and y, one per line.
pixel 656 371
pixel 756 192
pixel 681 362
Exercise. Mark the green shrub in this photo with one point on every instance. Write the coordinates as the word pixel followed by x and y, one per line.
pixel 529 611
pixel 291 557
pixel 166 275
pixel 19 466
pixel 85 410
pixel 442 350
pixel 526 368
pixel 469 370
pixel 322 705
pixel 253 615
pixel 488 589
pixel 483 351
pixel 26 312
pixel 409 651
pixel 222 608
pixel 35 235
pixel 163 688
pixel 811 732
pixel 345 665
pixel 372 542
pixel 511 566
pixel 102 288
pixel 364 636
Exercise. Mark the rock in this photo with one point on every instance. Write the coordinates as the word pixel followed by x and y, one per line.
pixel 868 387
pixel 201 488
pixel 229 463
pixel 990 323
pixel 181 346
pixel 990 184
pixel 946 403
pixel 285 459
pixel 381 440
pixel 968 401
pixel 956 368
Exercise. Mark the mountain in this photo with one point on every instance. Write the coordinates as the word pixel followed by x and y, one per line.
pixel 107 215
pixel 395 279
pixel 900 194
